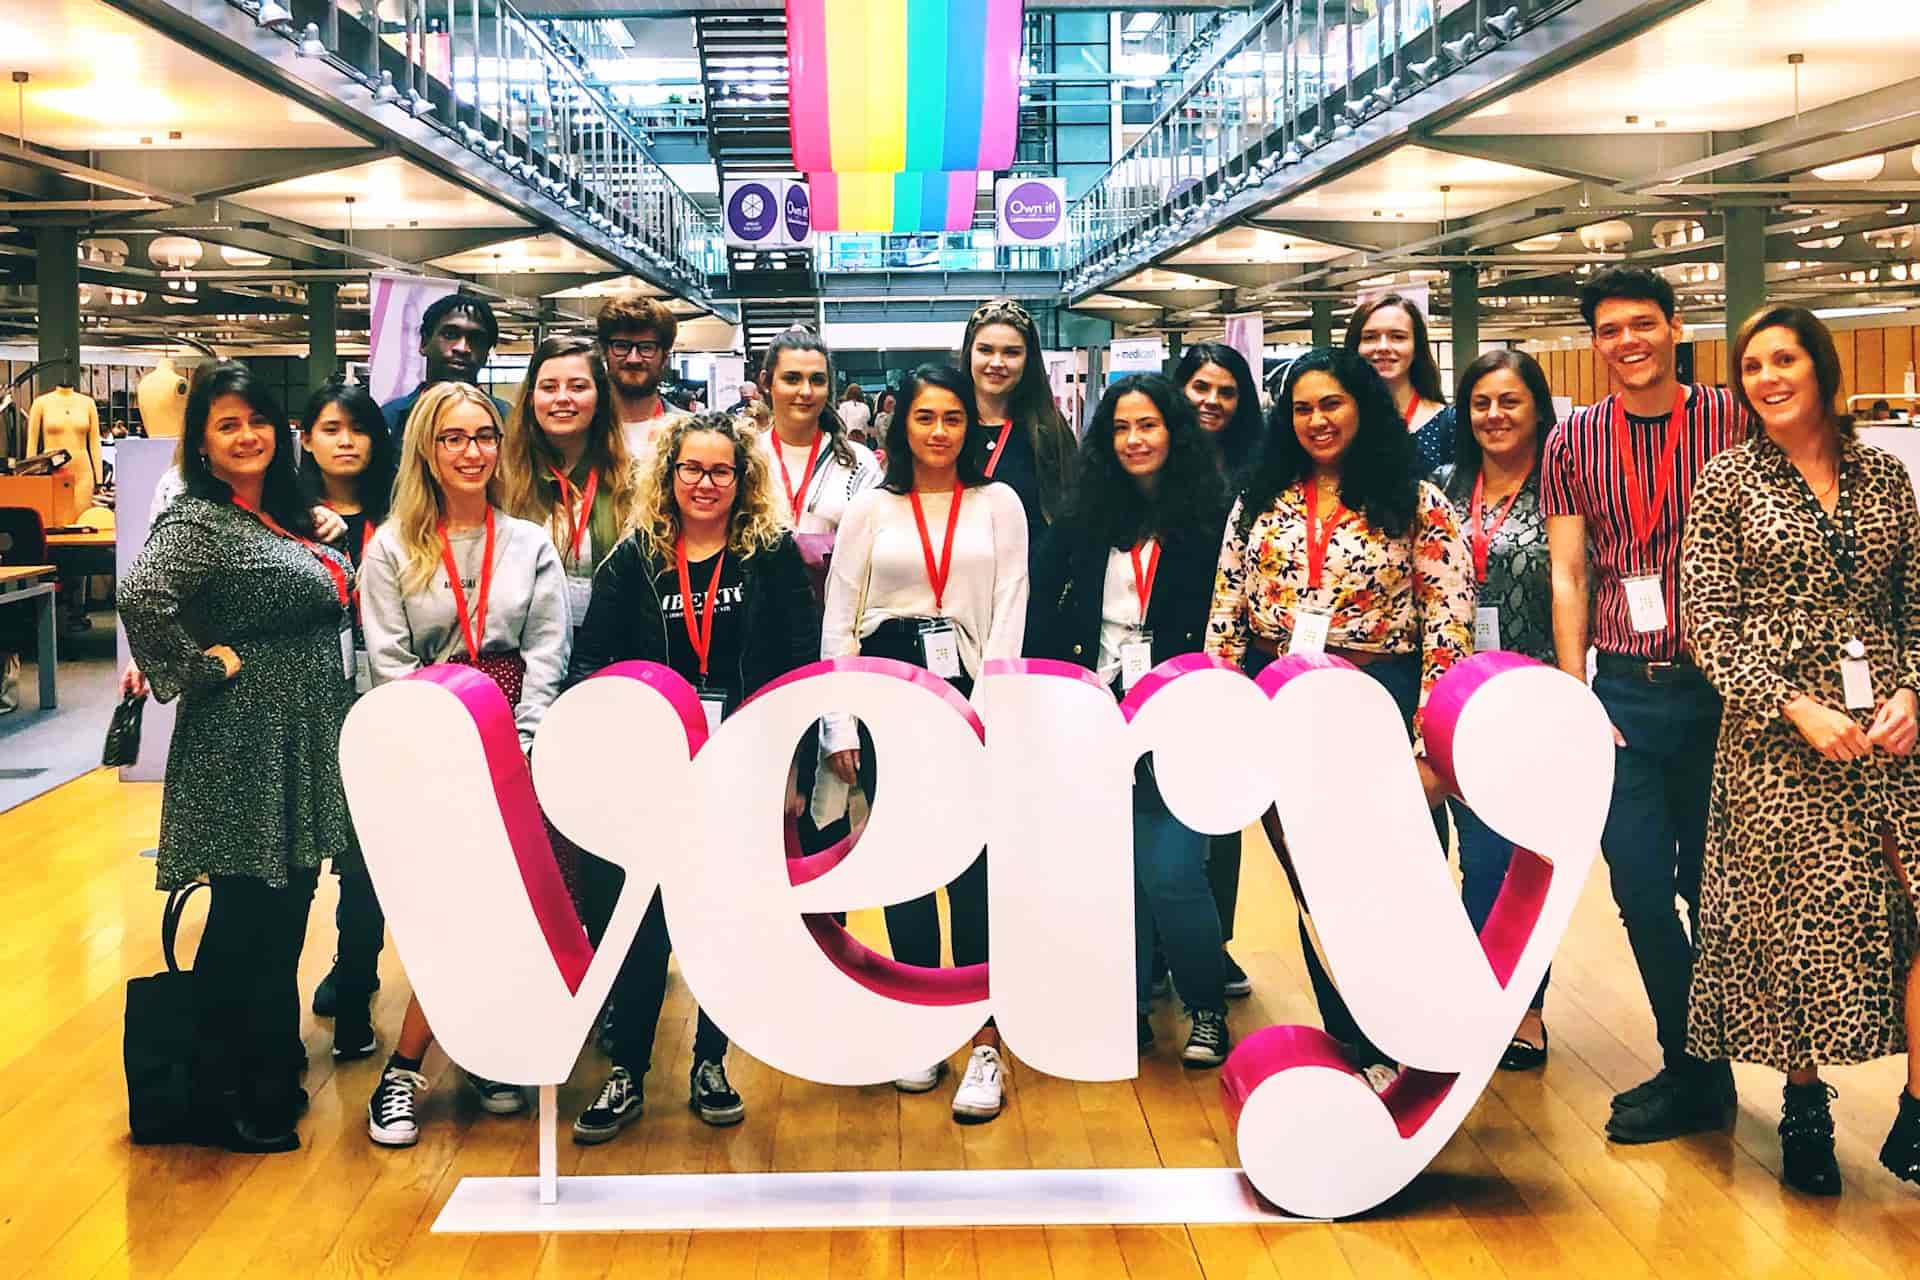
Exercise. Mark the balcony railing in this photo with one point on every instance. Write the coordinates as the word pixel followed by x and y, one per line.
pixel 951 251
pixel 497 82
pixel 1303 74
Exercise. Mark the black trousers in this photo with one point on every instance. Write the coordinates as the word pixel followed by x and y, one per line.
pixel 363 930
pixel 247 997
pixel 1223 877
pixel 640 988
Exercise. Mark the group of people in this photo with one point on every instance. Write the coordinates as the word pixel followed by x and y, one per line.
pixel 1739 565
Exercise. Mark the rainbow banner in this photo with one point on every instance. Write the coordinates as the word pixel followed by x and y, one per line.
pixel 897 202
pixel 888 86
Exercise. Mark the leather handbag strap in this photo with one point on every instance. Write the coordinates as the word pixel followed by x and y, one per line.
pixel 170 920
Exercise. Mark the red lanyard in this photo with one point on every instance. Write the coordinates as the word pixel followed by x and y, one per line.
pixel 1483 533
pixel 1413 407
pixel 576 529
pixel 327 562
pixel 699 634
pixel 806 477
pixel 1642 509
pixel 937 578
pixel 1319 537
pixel 999 447
pixel 1143 581
pixel 473 628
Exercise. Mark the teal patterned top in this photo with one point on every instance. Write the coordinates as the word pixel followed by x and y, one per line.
pixel 1519 568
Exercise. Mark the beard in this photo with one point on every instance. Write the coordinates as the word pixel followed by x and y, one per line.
pixel 634 382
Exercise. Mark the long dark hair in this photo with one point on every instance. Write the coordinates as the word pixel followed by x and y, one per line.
pixel 899 477
pixel 1466 447
pixel 280 494
pixel 1032 401
pixel 1424 373
pixel 801 338
pixel 1242 435
pixel 373 486
pixel 1380 472
pixel 1188 498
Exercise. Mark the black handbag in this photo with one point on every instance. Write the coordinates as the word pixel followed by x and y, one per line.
pixel 161 1038
pixel 123 731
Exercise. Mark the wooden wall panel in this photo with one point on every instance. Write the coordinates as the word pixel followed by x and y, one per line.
pixel 1869 348
pixel 1843 342
pixel 1900 347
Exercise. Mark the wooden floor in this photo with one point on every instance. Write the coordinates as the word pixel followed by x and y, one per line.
pixel 1529 1188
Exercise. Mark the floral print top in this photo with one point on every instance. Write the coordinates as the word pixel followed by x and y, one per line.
pixel 1519 568
pixel 1413 594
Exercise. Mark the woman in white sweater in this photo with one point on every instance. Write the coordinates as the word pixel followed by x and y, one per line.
pixel 451 578
pixel 931 568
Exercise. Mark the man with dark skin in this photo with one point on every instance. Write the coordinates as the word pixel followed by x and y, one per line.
pixel 457 334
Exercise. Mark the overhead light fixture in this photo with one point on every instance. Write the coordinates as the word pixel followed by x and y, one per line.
pixel 311 45
pixel 273 16
pixel 418 104
pixel 1462 49
pixel 385 92
pixel 1425 72
pixel 1386 93
pixel 1860 169
pixel 1505 25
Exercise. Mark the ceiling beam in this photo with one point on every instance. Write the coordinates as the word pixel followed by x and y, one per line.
pixel 212 175
pixel 1604 158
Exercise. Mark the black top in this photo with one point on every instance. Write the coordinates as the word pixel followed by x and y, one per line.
pixel 729 614
pixel 356 537
pixel 1017 468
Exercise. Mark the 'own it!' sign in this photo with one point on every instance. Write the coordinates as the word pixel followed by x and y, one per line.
pixel 1030 211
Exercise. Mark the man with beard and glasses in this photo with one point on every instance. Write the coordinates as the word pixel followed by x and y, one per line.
pixel 636 336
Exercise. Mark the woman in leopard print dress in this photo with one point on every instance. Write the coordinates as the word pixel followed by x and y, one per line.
pixel 1801 558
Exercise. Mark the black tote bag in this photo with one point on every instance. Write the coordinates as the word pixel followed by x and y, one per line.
pixel 160 1040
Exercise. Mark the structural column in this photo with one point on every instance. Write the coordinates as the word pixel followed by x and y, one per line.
pixel 1745 269
pixel 57 297
pixel 1463 309
pixel 323 332
pixel 1322 322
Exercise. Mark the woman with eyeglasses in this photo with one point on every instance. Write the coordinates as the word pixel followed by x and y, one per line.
pixel 931 569
pixel 1123 584
pixel 711 584
pixel 235 610
pixel 1390 333
pixel 1338 546
pixel 1020 439
pixel 450 577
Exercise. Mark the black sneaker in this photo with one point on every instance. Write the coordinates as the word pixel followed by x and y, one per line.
pixel 1806 1140
pixel 709 1094
pixel 391 1121
pixel 1673 1111
pixel 619 1104
pixel 1207 1042
pixel 1627 1099
pixel 1900 1153
pixel 326 996
pixel 1238 984
pixel 353 1037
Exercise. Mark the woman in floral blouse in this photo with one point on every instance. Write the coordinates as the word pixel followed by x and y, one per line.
pixel 1337 546
pixel 1494 485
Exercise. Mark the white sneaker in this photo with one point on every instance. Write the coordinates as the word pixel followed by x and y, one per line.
pixel 497 1097
pixel 390 1115
pixel 982 1090
pixel 921 1081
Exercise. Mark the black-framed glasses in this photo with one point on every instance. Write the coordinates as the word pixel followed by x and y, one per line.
pixel 457 441
pixel 621 348
pixel 692 473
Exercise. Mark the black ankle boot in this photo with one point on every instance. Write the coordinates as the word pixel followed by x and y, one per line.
pixel 1901 1151
pixel 1806 1140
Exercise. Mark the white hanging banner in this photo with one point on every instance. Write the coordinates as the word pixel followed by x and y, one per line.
pixel 395 304
pixel 1247 334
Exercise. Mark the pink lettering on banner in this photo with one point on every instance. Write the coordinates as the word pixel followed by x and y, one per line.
pixel 623 765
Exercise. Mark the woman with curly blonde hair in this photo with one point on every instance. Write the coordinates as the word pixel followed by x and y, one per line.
pixel 710 584
pixel 565 463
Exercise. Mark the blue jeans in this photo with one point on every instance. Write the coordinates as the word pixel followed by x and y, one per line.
pixel 1171 893
pixel 1656 833
pixel 1484 855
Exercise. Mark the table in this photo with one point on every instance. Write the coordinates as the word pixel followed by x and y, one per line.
pixel 19 584
pixel 87 553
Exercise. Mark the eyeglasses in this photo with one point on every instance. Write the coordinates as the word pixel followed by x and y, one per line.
pixel 621 348
pixel 457 441
pixel 692 473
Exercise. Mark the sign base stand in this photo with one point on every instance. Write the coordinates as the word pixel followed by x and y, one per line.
pixel 872 1199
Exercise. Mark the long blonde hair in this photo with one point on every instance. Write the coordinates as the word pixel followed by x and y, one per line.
pixel 418 503
pixel 755 524
pixel 527 460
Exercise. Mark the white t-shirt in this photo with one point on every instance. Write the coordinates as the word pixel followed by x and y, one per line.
pixel 824 496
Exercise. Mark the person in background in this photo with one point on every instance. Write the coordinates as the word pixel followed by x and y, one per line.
pixel 883 416
pixel 1797 573
pixel 235 610
pixel 930 568
pixel 1881 411
pixel 1494 485
pixel 1390 333
pixel 636 337
pixel 749 394
pixel 1218 383
pixel 1001 353
pixel 853 408
pixel 1337 545
pixel 457 333
pixel 352 458
pixel 1124 583
pixel 710 584
pixel 450 577
pixel 1616 480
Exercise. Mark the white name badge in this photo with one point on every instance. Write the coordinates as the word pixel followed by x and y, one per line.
pixel 579 596
pixel 1856 677
pixel 714 707
pixel 1309 631
pixel 1646 603
pixel 940 648
pixel 1486 628
pixel 346 653
pixel 1136 658
pixel 362 672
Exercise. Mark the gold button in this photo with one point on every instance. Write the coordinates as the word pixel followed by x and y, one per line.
pixel 1076 649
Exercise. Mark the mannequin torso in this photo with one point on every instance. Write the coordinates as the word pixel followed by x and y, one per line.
pixel 163 400
pixel 65 419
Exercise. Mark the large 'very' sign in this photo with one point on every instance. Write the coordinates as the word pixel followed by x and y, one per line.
pixel 1038 770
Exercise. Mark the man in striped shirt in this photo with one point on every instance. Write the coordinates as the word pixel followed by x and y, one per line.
pixel 1615 482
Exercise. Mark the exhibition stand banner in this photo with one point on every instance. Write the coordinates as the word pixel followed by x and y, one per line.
pixel 1135 355
pixel 1039 770
pixel 768 213
pixel 1030 211
pixel 395 304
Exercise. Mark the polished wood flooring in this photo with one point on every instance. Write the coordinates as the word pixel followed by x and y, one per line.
pixel 1529 1188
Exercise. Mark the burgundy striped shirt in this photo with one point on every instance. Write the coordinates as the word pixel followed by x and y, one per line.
pixel 1581 475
